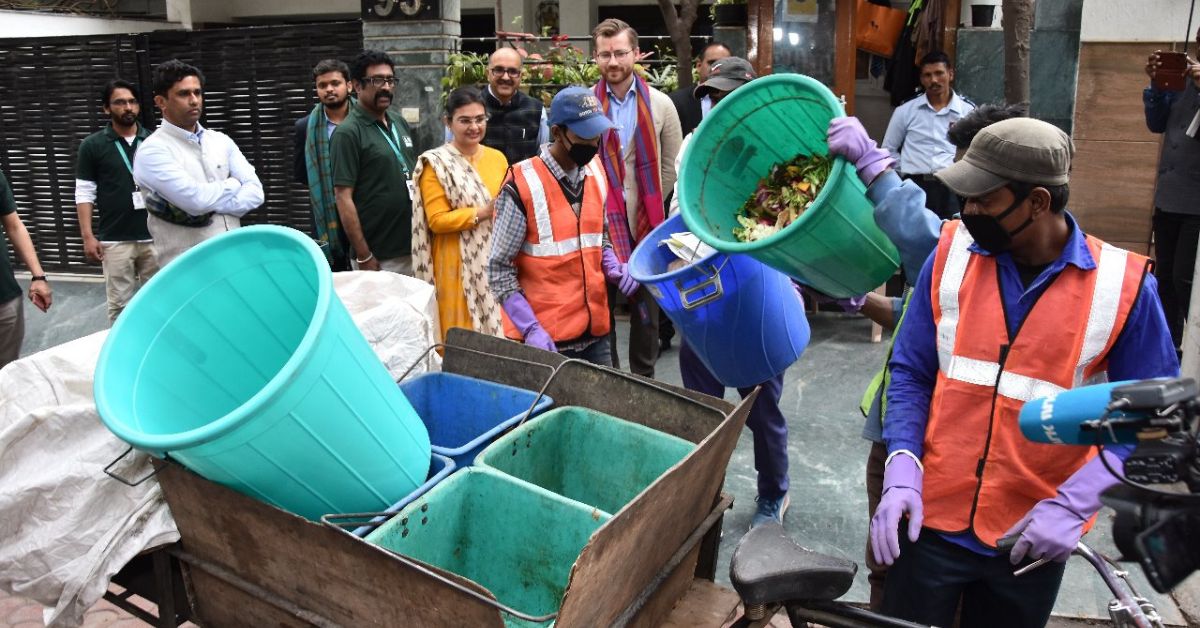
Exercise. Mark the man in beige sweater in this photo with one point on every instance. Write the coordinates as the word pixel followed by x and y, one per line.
pixel 639 159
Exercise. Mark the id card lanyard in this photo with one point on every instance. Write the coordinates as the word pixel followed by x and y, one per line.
pixel 138 201
pixel 393 142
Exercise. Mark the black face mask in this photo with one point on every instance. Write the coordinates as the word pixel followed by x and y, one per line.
pixel 989 233
pixel 581 154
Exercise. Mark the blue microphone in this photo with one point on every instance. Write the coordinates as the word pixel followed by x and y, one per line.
pixel 1072 417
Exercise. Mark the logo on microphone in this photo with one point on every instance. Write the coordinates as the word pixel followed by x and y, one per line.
pixel 1047 428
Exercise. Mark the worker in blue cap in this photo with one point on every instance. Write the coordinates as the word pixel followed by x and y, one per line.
pixel 550 255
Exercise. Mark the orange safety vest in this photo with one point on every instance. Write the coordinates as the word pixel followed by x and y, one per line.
pixel 981 474
pixel 559 264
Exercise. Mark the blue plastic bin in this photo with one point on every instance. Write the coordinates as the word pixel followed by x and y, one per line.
pixel 240 362
pixel 464 414
pixel 745 320
pixel 440 467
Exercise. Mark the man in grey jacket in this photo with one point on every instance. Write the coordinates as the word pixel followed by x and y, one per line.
pixel 1176 212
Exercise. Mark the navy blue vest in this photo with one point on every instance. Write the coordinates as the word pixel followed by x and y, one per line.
pixel 513 128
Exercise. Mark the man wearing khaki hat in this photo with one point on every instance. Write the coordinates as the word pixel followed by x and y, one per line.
pixel 1016 303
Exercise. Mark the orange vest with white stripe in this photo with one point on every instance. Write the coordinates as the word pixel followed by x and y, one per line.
pixel 981 474
pixel 559 264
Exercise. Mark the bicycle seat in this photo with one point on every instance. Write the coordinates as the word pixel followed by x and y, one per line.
pixel 768 567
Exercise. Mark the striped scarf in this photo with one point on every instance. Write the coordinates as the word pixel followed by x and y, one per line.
pixel 650 198
pixel 320 183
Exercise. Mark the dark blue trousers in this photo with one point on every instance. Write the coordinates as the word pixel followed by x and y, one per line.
pixel 933 576
pixel 766 421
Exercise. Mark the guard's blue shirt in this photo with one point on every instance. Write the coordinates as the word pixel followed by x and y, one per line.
pixel 1142 350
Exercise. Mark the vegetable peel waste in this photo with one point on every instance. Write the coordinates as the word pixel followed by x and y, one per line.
pixel 782 196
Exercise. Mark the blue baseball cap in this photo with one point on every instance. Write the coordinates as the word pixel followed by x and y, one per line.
pixel 578 109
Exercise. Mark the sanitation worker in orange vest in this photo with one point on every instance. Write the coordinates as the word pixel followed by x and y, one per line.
pixel 550 253
pixel 1015 303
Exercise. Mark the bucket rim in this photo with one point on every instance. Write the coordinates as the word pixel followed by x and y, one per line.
pixel 678 273
pixel 163 444
pixel 687 167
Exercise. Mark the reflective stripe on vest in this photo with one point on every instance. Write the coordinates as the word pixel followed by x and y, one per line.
pixel 547 246
pixel 1110 274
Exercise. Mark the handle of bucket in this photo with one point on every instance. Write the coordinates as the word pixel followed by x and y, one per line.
pixel 330 520
pixel 713 281
pixel 108 470
pixel 542 392
pixel 475 351
pixel 424 354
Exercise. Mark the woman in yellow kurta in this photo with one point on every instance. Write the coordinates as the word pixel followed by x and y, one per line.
pixel 457 184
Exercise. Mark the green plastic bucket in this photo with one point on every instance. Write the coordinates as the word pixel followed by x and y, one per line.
pixel 835 245
pixel 240 362
pixel 587 456
pixel 517 540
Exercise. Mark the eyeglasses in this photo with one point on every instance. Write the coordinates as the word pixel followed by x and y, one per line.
pixel 476 121
pixel 499 71
pixel 616 54
pixel 380 81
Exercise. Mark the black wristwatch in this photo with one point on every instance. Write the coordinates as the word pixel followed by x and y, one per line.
pixel 38 278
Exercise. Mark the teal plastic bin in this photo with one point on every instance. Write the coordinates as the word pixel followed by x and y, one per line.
pixel 517 540
pixel 240 362
pixel 587 456
pixel 835 245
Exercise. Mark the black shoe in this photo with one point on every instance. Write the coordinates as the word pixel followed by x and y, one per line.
pixel 664 345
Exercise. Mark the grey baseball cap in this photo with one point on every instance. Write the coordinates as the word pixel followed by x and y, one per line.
pixel 726 75
pixel 1018 149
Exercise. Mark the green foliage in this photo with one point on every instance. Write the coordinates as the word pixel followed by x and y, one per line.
pixel 712 11
pixel 550 66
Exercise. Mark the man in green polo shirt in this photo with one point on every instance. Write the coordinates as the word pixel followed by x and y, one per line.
pixel 373 159
pixel 104 182
pixel 12 313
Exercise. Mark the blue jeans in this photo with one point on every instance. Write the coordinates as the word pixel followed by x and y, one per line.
pixel 766 421
pixel 598 353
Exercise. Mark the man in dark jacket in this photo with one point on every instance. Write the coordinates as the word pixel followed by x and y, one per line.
pixel 1176 214
pixel 691 109
pixel 516 121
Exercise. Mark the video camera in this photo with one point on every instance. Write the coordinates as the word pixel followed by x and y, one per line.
pixel 1157 526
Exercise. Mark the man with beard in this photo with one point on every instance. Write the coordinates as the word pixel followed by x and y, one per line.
pixel 550 256
pixel 104 182
pixel 516 124
pixel 916 134
pixel 638 156
pixel 196 182
pixel 313 167
pixel 373 160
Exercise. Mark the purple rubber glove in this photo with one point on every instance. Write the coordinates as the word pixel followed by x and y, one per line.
pixel 902 481
pixel 617 273
pixel 1054 526
pixel 521 314
pixel 848 138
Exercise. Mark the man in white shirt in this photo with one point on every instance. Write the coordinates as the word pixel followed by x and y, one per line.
pixel 916 135
pixel 196 182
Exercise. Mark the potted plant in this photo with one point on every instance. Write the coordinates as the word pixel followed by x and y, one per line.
pixel 728 12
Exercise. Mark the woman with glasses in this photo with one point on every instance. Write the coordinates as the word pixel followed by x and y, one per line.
pixel 457 184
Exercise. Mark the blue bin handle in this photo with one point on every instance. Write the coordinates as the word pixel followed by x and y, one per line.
pixel 713 281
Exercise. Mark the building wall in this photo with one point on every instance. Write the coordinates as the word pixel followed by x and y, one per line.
pixel 1112 183
pixel 32 24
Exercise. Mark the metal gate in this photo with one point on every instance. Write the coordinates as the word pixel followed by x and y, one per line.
pixel 258 81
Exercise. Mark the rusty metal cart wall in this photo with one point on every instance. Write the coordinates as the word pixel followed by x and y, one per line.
pixel 252 564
